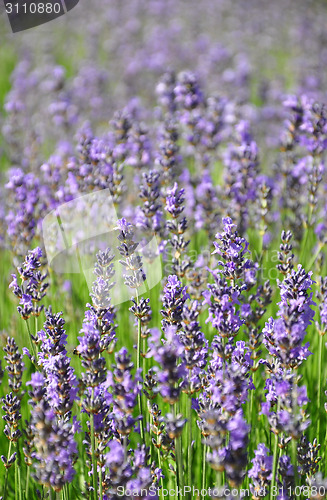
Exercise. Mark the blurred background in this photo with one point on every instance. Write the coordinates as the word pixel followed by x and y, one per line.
pixel 92 61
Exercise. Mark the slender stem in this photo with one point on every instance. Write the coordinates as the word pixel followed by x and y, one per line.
pixel 179 455
pixel 138 366
pixel 66 491
pixel 304 244
pixel 275 461
pixel 33 351
pixel 295 462
pixel 94 461
pixel 314 258
pixel 27 482
pixel 144 371
pixel 7 472
pixel 204 467
pixel 179 462
pixel 219 479
pixel 160 467
pixel 253 428
pixel 306 234
pixel 17 485
pixel 320 351
pixel 250 414
pixel 189 444
pixel 147 435
pixel 100 483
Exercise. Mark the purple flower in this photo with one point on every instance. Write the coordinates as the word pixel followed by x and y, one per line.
pixel 115 455
pixel 132 262
pixel 175 296
pixel 124 388
pixel 33 286
pixel 174 201
pixel 171 370
pixel 37 380
pixel 289 416
pixel 150 196
pixel 54 444
pixel 232 249
pixel 261 471
pixel 283 337
pixel 61 381
pixel 188 94
pixel 196 347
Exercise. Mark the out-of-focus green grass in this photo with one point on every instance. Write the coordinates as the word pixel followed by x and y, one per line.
pixel 8 59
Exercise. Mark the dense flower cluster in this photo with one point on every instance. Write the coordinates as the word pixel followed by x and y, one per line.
pixel 33 286
pixel 283 337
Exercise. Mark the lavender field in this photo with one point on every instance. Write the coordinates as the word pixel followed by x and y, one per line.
pixel 163 237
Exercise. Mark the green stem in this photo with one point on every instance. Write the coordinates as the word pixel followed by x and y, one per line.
pixel 295 462
pixel 179 463
pixel 306 234
pixel 18 466
pixel 147 435
pixel 189 444
pixel 320 351
pixel 17 486
pixel 144 370
pixel 100 484
pixel 33 351
pixel 94 461
pixel 178 459
pixel 250 410
pixel 7 472
pixel 204 467
pixel 138 365
pixel 27 482
pixel 275 461
pixel 160 467
pixel 66 491
pixel 315 256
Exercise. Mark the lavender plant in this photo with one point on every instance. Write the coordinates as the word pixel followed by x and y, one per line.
pixel 195 128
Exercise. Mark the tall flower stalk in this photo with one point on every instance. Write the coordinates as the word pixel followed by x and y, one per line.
pixel 321 295
pixel 30 291
pixel 135 278
pixel 284 338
